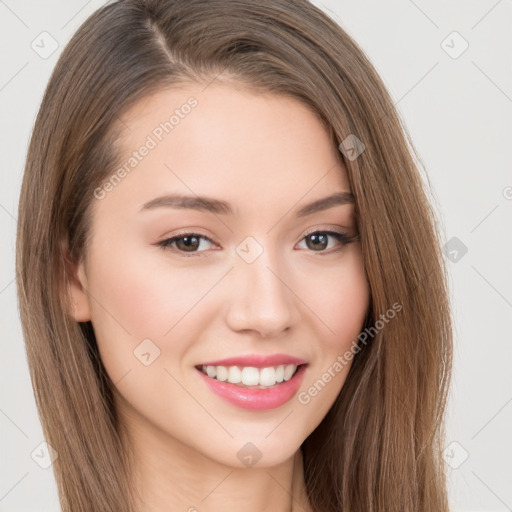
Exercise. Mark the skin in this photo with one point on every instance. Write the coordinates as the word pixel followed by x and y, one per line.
pixel 268 156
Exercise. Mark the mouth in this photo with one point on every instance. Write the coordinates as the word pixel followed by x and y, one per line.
pixel 253 388
pixel 251 377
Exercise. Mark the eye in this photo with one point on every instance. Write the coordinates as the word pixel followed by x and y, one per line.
pixel 191 242
pixel 185 242
pixel 319 240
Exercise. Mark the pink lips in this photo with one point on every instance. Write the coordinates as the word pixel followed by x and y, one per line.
pixel 253 398
pixel 257 361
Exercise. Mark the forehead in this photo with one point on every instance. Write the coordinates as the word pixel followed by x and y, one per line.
pixel 226 142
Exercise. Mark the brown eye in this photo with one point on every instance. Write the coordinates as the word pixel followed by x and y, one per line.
pixel 189 243
pixel 186 242
pixel 318 241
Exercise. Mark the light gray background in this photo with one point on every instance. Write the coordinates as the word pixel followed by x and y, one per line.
pixel 459 113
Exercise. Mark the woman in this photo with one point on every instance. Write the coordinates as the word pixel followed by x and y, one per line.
pixel 230 280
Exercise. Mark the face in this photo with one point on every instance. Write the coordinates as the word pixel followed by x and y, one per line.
pixel 171 286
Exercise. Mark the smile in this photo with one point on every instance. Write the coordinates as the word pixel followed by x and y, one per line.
pixel 280 384
pixel 249 376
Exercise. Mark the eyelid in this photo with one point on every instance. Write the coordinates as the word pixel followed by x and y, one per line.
pixel 325 229
pixel 342 236
pixel 189 232
pixel 166 242
pixel 346 238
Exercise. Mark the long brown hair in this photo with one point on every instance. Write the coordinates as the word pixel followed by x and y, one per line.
pixel 379 447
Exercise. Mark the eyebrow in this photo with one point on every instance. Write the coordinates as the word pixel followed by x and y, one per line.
pixel 209 204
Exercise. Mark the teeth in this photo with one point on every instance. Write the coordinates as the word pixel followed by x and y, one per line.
pixel 267 376
pixel 222 372
pixel 280 373
pixel 234 375
pixel 251 376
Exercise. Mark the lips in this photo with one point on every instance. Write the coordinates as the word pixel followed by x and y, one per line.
pixel 234 379
pixel 256 361
pixel 256 399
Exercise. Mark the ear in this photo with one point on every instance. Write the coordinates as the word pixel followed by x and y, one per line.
pixel 76 286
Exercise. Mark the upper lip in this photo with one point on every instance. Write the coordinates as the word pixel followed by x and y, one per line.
pixel 257 361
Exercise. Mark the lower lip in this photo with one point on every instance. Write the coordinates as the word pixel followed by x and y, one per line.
pixel 256 399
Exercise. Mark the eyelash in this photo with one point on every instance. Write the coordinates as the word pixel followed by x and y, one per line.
pixel 343 238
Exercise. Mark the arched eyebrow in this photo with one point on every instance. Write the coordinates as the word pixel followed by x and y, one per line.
pixel 339 198
pixel 219 206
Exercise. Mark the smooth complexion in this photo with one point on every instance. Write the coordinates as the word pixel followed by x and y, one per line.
pixel 267 156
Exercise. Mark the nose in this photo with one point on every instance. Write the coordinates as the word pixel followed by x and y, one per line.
pixel 261 298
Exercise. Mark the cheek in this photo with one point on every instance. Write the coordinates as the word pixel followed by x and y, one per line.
pixel 340 303
pixel 340 300
pixel 146 296
pixel 140 296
